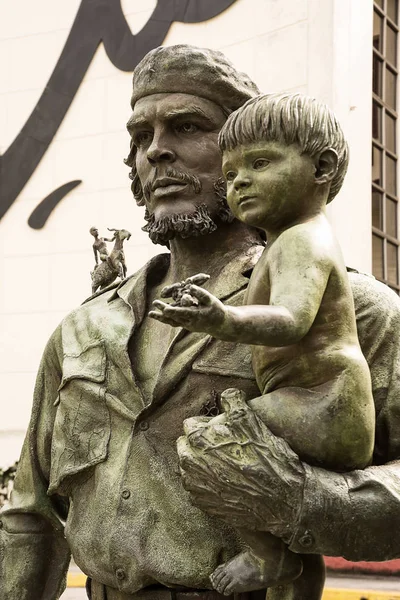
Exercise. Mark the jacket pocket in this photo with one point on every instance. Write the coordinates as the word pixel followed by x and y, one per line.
pixel 82 426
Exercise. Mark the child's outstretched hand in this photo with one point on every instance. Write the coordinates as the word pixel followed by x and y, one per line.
pixel 207 316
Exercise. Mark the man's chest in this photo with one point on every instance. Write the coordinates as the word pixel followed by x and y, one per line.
pixel 148 348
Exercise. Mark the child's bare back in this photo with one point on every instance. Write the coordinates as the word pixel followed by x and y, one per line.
pixel 317 390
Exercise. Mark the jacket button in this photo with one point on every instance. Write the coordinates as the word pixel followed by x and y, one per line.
pixel 143 425
pixel 306 540
pixel 120 574
pixel 125 494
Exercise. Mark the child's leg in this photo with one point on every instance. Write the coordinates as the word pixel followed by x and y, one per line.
pixel 268 562
pixel 309 586
pixel 326 425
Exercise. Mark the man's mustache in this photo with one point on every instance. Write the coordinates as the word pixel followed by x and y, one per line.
pixel 182 176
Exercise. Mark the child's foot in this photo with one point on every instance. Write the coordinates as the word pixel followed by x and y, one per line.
pixel 247 572
pixel 243 573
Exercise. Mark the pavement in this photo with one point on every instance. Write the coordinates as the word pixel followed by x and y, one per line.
pixel 364 582
pixel 74 594
pixel 337 588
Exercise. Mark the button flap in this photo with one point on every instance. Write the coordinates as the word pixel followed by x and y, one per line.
pixel 90 364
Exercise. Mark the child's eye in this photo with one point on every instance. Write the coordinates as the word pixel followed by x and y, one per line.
pixel 230 176
pixel 260 163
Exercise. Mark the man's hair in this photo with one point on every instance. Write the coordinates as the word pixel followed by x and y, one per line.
pixel 289 119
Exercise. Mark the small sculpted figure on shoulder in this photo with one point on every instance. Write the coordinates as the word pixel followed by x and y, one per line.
pixel 113 265
pixel 99 246
pixel 284 159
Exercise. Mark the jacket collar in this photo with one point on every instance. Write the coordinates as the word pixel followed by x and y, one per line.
pixel 133 291
pixel 234 277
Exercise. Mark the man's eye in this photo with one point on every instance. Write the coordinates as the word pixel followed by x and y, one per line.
pixel 260 163
pixel 230 176
pixel 188 128
pixel 142 137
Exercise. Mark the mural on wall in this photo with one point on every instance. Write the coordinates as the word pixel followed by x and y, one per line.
pixel 97 21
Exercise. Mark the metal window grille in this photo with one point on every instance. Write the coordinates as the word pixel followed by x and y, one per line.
pixel 385 227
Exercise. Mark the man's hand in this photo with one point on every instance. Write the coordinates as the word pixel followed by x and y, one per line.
pixel 208 316
pixel 237 470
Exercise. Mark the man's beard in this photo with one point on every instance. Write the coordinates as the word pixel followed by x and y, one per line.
pixel 199 222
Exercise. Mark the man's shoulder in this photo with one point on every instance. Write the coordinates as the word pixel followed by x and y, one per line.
pixel 377 309
pixel 109 288
pixel 368 291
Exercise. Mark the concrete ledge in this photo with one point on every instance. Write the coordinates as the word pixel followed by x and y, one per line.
pixel 350 594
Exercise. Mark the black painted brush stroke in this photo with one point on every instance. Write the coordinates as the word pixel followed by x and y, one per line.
pixel 96 21
pixel 39 216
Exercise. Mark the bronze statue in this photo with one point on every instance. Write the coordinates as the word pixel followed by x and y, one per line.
pixel 113 265
pixel 284 157
pixel 115 387
pixel 99 246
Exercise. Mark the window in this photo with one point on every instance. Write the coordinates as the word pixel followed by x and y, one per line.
pixel 385 230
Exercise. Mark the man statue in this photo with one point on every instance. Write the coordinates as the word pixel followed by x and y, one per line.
pixel 114 388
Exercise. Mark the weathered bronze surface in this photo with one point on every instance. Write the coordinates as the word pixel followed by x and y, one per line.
pixel 284 157
pixel 115 387
pixel 111 266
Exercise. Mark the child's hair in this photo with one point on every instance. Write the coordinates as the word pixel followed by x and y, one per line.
pixel 291 119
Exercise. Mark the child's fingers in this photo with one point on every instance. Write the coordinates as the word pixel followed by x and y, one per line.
pixel 168 290
pixel 202 295
pixel 179 312
pixel 159 304
pixel 198 279
pixel 159 316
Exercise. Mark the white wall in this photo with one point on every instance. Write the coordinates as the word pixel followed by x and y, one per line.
pixel 320 48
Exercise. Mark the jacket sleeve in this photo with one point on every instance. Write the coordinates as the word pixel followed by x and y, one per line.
pixel 356 514
pixel 34 554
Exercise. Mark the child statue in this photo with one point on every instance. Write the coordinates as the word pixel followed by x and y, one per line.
pixel 284 159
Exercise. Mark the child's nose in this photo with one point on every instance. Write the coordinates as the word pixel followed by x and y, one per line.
pixel 242 181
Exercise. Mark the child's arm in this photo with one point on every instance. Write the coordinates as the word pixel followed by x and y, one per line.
pixel 298 275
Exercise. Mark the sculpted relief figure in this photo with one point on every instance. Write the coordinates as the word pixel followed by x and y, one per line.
pixel 284 157
pixel 99 474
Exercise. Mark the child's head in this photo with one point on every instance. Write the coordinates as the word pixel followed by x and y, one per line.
pixel 289 119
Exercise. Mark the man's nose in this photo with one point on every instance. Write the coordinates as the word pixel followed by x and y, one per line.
pixel 241 181
pixel 160 151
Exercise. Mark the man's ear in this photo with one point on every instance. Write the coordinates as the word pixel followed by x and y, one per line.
pixel 326 165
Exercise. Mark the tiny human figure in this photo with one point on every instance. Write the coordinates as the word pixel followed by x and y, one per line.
pixel 99 246
pixel 284 159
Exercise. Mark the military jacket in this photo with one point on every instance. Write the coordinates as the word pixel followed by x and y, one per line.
pixel 95 444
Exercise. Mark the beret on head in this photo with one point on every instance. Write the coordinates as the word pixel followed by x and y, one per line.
pixel 186 69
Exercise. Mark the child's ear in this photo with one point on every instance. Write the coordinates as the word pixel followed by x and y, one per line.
pixel 326 165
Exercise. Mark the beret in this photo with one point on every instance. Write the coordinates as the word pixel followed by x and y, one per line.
pixel 185 69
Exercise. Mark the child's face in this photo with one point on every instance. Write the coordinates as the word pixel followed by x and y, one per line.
pixel 269 184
